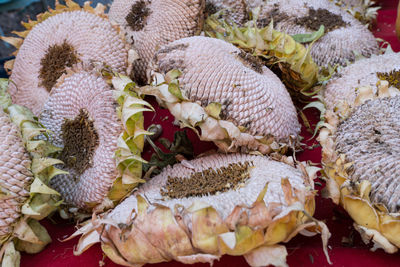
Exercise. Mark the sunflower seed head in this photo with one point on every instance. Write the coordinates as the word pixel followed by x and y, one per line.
pixel 81 112
pixel 75 36
pixel 250 94
pixel 240 220
pixel 369 138
pixel 253 172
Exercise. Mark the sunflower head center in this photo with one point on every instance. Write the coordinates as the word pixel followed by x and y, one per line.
pixel 80 142
pixel 54 63
pixel 316 18
pixel 136 18
pixel 208 182
pixel 393 77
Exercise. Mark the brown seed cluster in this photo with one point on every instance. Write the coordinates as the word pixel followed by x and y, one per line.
pixel 250 61
pixel 207 182
pixel 136 18
pixel 392 77
pixel 316 18
pixel 80 141
pixel 54 63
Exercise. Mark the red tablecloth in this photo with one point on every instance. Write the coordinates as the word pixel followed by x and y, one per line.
pixel 302 251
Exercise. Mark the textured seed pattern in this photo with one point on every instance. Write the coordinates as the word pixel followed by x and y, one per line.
pixel 168 20
pixel 85 90
pixel 92 38
pixel 361 73
pixel 214 71
pixel 208 181
pixel 336 46
pixel 80 141
pixel 264 171
pixel 15 175
pixel 370 139
pixel 235 10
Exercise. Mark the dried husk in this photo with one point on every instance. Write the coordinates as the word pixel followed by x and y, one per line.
pixel 201 229
pixel 373 220
pixel 26 233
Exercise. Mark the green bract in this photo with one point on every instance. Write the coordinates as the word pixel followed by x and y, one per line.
pixel 131 141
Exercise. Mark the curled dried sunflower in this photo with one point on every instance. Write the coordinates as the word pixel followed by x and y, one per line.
pixel 198 211
pixel 360 146
pixel 100 132
pixel 59 39
pixel 226 95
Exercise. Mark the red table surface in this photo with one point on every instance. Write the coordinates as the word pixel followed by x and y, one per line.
pixel 303 251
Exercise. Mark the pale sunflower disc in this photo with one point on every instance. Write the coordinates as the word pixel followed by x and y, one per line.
pixel 58 42
pixel 199 210
pixel 84 96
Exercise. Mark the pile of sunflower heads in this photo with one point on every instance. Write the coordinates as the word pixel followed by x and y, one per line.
pixel 237 73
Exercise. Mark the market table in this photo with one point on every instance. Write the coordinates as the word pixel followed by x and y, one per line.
pixel 345 245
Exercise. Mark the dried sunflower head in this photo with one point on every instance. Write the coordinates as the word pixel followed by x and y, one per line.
pixel 344 87
pixel 60 39
pixel 152 24
pixel 232 204
pixel 235 101
pixel 360 146
pixel 25 174
pixel 344 35
pixel 100 132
